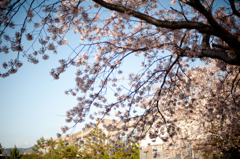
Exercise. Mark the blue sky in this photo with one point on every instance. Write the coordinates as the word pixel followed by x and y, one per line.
pixel 33 104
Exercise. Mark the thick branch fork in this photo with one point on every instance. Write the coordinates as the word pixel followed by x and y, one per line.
pixel 204 28
pixel 213 28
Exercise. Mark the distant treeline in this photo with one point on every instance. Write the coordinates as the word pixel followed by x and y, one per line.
pixel 6 152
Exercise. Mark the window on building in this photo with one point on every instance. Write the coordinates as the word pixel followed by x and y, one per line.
pixel 134 131
pixel 146 153
pixel 156 151
pixel 178 156
pixel 123 139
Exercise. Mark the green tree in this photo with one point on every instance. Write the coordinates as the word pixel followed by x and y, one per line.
pixel 131 151
pixel 40 147
pixel 96 145
pixel 29 156
pixel 54 149
pixel 1 149
pixel 14 153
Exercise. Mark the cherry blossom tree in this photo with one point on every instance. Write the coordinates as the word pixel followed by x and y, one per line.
pixel 165 37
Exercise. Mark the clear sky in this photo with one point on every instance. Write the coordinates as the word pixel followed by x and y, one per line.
pixel 32 104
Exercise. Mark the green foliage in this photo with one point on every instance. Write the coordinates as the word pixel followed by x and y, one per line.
pixel 131 151
pixel 39 148
pixel 52 149
pixel 1 148
pixel 96 146
pixel 14 153
pixel 29 156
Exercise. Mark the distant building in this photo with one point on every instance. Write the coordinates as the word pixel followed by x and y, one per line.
pixel 109 127
pixel 148 149
pixel 163 151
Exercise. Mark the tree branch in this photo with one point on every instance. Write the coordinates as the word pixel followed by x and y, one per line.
pixel 204 28
pixel 235 12
pixel 221 32
pixel 213 29
pixel 10 9
pixel 214 54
